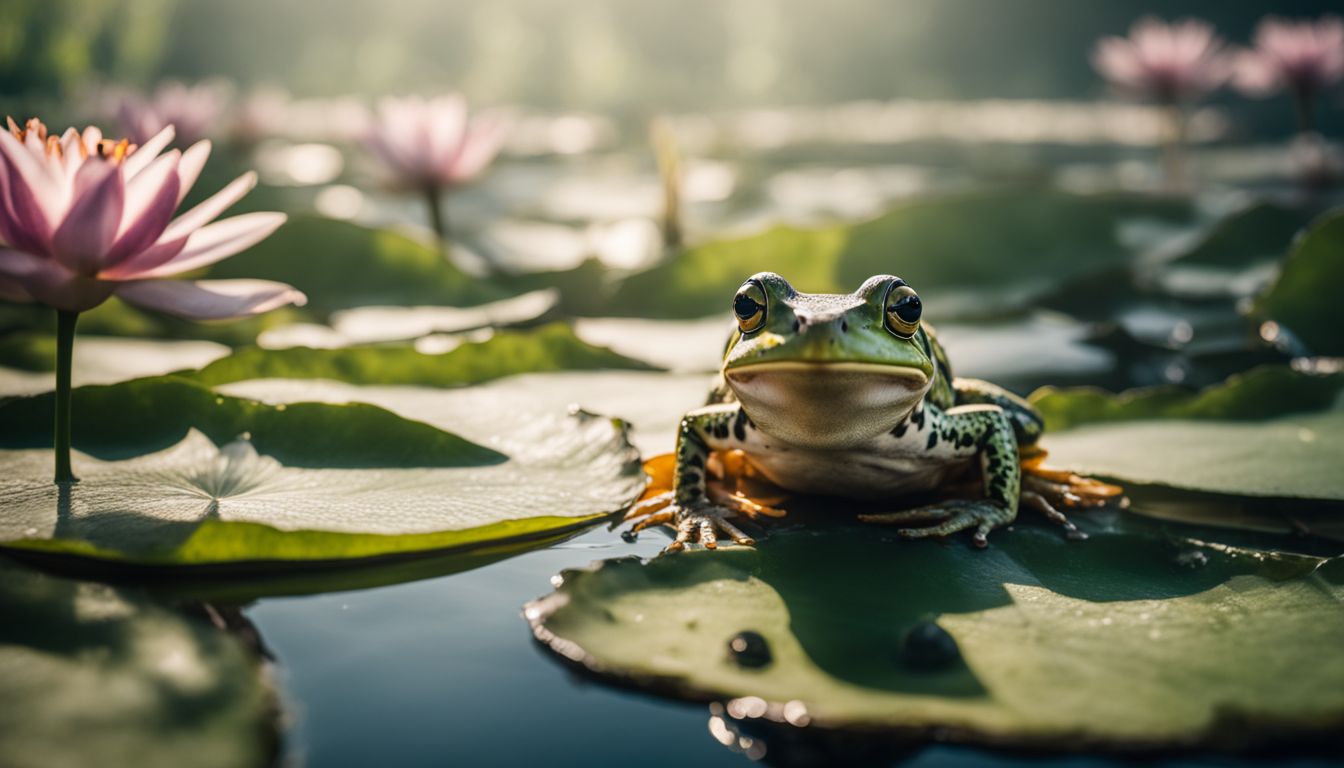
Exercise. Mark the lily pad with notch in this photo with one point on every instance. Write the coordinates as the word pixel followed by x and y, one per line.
pixel 1123 642
pixel 174 474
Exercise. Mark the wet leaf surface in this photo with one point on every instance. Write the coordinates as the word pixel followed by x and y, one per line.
pixel 1133 639
pixel 223 480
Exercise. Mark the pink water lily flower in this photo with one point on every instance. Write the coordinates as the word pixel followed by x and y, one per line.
pixel 83 218
pixel 192 110
pixel 1166 62
pixel 1302 57
pixel 433 142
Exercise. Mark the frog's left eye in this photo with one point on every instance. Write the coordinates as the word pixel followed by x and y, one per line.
pixel 903 309
pixel 749 306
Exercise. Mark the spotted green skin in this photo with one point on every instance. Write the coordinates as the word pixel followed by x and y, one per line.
pixel 934 428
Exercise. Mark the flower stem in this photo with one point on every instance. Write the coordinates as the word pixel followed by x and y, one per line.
pixel 1174 151
pixel 65 345
pixel 1303 104
pixel 434 199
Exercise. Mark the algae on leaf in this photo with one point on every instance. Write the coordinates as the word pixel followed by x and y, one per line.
pixel 95 675
pixel 1125 641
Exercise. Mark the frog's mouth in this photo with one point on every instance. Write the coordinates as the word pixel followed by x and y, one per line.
pixel 827 404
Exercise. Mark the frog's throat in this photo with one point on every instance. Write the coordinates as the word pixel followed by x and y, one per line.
pixel 832 405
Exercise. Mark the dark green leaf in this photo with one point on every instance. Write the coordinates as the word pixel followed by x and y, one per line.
pixel 1305 299
pixel 550 348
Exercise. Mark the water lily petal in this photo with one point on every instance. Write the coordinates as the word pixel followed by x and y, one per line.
pixel 140 159
pixel 210 299
pixel 151 198
pixel 210 208
pixel 220 240
pixel 49 282
pixel 84 237
pixel 190 166
pixel 12 230
pixel 132 268
pixel 34 197
pixel 12 290
pixel 482 144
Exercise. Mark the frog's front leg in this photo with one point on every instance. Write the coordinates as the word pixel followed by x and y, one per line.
pixel 689 508
pixel 967 432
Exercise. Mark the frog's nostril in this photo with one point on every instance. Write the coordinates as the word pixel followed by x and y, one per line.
pixel 844 326
pixel 797 324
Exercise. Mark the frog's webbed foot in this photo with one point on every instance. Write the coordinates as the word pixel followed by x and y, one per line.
pixel 1047 490
pixel 946 518
pixel 702 523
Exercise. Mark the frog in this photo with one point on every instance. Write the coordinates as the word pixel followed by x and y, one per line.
pixel 852 396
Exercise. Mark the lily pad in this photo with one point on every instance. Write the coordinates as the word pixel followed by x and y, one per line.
pixel 1303 299
pixel 128 419
pixel 305 482
pixel 93 674
pixel 1006 245
pixel 1261 393
pixel 552 347
pixel 1256 232
pixel 1262 433
pixel 27 360
pixel 340 265
pixel 1128 641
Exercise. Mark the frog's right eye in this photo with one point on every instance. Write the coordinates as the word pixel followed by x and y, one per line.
pixel 749 306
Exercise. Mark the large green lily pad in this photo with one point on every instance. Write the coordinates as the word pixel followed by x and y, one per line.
pixel 340 265
pixel 1303 299
pixel 1270 432
pixel 1270 390
pixel 552 347
pixel 175 474
pixel 1130 640
pixel 95 675
pixel 1004 246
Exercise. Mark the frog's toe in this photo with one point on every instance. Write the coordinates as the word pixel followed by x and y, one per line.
pixel 950 517
pixel 704 525
pixel 1041 504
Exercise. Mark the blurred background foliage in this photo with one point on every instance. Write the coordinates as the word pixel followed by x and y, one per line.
pixel 629 58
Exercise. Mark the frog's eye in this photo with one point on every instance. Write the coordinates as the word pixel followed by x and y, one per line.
pixel 903 310
pixel 749 306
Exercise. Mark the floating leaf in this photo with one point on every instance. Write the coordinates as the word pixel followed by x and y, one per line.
pixel 1230 438
pixel 340 265
pixel 1127 641
pixel 98 360
pixel 1261 393
pixel 315 482
pixel 130 418
pixel 549 348
pixel 1303 299
pixel 1014 244
pixel 97 675
pixel 1259 231
pixel 1294 457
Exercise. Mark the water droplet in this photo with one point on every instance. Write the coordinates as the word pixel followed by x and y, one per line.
pixel 927 646
pixel 1194 558
pixel 749 649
